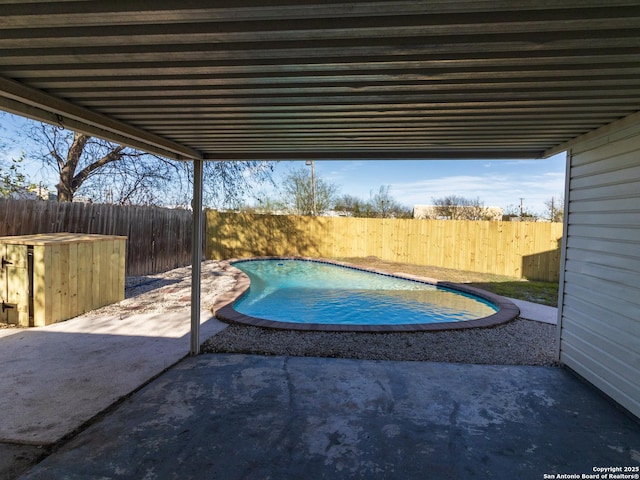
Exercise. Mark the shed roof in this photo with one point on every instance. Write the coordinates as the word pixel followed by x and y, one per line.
pixel 304 79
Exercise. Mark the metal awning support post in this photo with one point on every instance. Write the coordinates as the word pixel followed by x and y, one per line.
pixel 196 256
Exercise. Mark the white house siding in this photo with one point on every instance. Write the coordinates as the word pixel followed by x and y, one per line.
pixel 600 298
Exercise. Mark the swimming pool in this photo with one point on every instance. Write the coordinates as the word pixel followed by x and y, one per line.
pixel 310 294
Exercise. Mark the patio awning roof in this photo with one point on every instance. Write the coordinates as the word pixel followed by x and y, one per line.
pixel 305 79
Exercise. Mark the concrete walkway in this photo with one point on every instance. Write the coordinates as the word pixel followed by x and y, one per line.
pixel 55 378
pixel 537 312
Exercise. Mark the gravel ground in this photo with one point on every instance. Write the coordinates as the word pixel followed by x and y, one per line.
pixel 520 342
pixel 8 325
pixel 165 292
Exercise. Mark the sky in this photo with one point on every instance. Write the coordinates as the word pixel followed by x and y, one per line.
pixel 497 183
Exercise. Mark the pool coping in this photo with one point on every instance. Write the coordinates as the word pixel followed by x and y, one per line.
pixel 224 311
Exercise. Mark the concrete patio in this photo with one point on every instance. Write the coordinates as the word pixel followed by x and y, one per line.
pixel 242 416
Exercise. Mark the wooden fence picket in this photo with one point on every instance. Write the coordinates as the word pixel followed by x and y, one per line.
pixel 516 249
pixel 159 239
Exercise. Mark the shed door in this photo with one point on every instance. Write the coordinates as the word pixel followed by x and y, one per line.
pixel 14 285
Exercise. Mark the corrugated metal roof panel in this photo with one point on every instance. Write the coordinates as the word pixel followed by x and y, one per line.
pixel 305 79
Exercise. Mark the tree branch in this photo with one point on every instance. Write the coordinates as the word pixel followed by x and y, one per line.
pixel 113 156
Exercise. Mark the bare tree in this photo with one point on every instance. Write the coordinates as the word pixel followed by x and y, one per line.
pixel 380 205
pixel 519 213
pixel 346 203
pixel 554 209
pixel 383 205
pixel 454 207
pixel 109 172
pixel 99 169
pixel 228 183
pixel 298 193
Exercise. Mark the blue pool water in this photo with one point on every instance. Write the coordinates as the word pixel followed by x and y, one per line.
pixel 302 291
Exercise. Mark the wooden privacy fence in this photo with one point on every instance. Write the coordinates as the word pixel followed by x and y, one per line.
pixel 518 249
pixel 158 239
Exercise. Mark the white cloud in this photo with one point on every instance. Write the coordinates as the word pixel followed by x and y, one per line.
pixel 493 190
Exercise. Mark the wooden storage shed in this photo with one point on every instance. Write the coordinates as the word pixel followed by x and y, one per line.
pixel 52 277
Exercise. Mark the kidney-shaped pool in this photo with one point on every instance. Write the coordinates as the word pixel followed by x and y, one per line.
pixel 305 294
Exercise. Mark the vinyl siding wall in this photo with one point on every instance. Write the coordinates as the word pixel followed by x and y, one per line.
pixel 600 297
